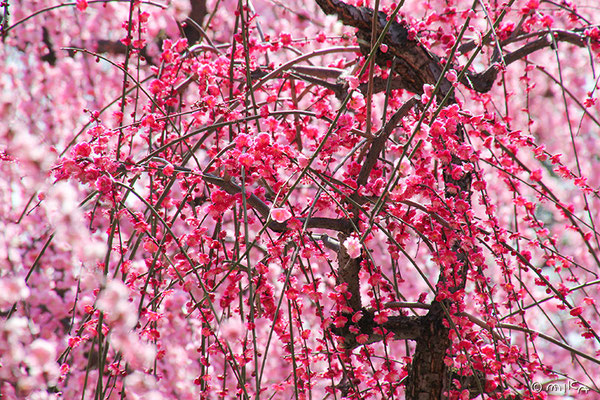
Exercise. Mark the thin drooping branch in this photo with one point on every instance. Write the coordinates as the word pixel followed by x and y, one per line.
pixel 117 47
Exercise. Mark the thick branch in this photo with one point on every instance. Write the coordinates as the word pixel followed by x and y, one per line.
pixel 334 224
pixel 379 142
pixel 482 82
pixel 403 328
pixel 414 64
pixel 427 373
pixel 348 270
pixel 197 14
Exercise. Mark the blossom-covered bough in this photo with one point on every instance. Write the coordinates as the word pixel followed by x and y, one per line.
pixel 263 199
pixel 416 67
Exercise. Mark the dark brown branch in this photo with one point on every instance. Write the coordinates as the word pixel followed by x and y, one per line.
pixel 319 72
pixel 379 142
pixel 50 57
pixel 403 328
pixel 414 64
pixel 116 47
pixel 4 20
pixel 545 41
pixel 334 224
pixel 328 242
pixel 482 82
pixel 380 84
pixel 338 89
pixel 196 16
pixel 348 270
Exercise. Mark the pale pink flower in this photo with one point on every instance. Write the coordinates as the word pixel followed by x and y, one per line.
pixel 451 76
pixel 353 246
pixel 280 214
pixel 137 353
pixel 114 301
pixel 12 290
pixel 42 352
pixel 353 82
pixel 141 386
pixel 303 161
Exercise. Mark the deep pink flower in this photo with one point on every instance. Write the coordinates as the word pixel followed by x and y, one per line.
pixel 536 175
pixel 82 5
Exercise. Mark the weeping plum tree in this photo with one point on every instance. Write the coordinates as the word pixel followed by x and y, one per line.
pixel 297 200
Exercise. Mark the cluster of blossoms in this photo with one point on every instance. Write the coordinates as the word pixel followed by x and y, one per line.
pixel 174 213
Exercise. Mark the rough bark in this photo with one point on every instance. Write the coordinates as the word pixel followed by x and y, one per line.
pixel 414 65
pixel 427 378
